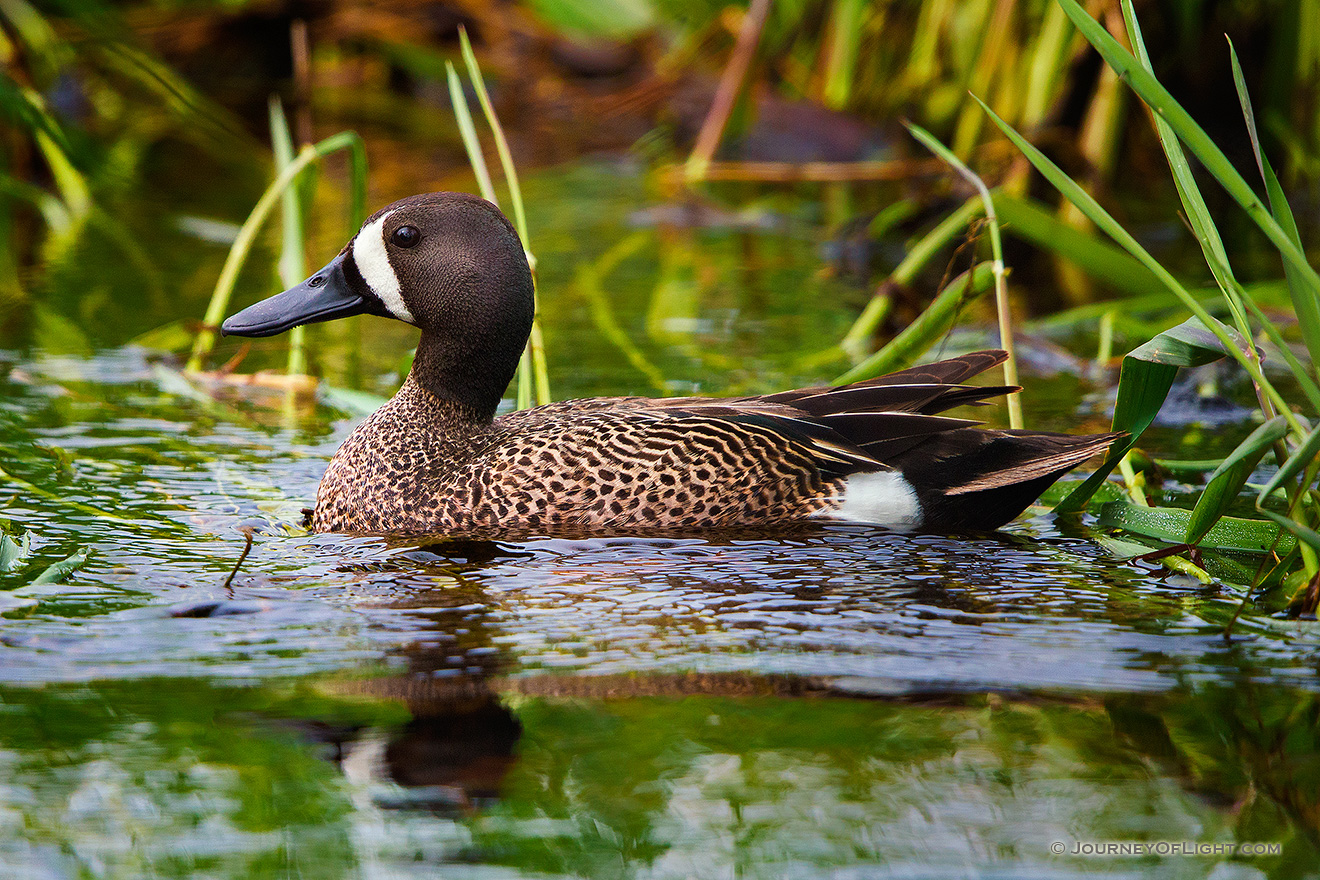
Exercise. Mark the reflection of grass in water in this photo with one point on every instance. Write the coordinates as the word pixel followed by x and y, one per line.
pixel 697 785
pixel 759 782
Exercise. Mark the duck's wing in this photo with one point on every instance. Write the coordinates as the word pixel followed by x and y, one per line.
pixel 929 388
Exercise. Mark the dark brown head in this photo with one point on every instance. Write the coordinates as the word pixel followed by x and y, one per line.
pixel 448 263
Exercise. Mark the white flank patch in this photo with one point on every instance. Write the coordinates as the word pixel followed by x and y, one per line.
pixel 373 261
pixel 882 498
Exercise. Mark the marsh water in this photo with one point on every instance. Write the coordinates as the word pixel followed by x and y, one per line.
pixel 834 701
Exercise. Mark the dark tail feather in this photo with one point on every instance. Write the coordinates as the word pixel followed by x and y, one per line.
pixel 978 480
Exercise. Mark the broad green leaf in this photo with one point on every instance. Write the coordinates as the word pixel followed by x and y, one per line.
pixel 1190 344
pixel 1144 381
pixel 1170 524
pixel 1228 479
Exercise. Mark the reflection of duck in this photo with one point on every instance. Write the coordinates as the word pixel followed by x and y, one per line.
pixel 435 458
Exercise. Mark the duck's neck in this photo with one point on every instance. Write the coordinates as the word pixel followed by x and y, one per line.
pixel 466 382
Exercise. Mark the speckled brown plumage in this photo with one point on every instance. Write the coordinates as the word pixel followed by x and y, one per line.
pixel 435 460
pixel 421 464
pixel 576 465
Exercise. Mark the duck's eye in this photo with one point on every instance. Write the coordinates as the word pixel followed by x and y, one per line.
pixel 406 236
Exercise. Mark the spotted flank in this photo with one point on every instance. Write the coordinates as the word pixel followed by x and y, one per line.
pixel 435 459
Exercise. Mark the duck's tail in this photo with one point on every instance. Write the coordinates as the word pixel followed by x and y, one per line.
pixel 979 479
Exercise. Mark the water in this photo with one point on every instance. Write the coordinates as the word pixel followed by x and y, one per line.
pixel 827 701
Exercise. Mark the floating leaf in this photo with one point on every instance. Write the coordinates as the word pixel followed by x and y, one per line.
pixel 62 569
pixel 1228 479
pixel 1171 524
pixel 13 554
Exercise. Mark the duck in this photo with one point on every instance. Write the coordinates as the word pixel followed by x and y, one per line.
pixel 435 459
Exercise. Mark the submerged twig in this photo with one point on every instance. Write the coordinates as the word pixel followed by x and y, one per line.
pixel 247 548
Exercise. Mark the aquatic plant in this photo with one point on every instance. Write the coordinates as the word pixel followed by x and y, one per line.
pixel 1282 530
pixel 73 147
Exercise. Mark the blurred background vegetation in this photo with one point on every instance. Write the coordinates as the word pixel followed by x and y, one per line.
pixel 134 130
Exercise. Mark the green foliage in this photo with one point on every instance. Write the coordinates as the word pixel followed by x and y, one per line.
pixel 69 169
pixel 286 179
pixel 619 19
pixel 16 565
pixel 1148 372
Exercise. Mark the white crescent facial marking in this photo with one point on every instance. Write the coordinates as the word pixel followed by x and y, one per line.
pixel 882 498
pixel 373 261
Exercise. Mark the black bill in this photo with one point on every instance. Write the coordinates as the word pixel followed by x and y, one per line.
pixel 323 297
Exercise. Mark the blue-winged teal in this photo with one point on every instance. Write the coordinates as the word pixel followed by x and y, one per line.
pixel 435 459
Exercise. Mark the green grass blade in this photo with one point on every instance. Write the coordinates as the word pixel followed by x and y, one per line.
pixel 292 262
pixel 1194 206
pixel 1299 371
pixel 1301 457
pixel 1192 135
pixel 501 143
pixel 478 162
pixel 1005 314
pixel 841 55
pixel 928 327
pixel 918 257
pixel 471 143
pixel 247 234
pixel 1049 57
pixel 1102 219
pixel 1304 534
pixel 535 344
pixel 1026 219
pixel 1305 299
pixel 1223 486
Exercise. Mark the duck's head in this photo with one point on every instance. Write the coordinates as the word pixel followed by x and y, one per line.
pixel 448 263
